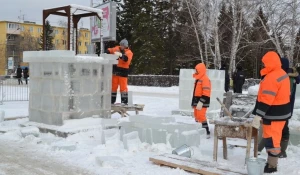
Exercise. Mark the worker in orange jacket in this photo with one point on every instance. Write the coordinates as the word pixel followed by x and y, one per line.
pixel 120 71
pixel 201 96
pixel 273 106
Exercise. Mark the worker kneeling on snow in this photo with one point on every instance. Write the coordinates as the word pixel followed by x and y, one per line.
pixel 120 71
pixel 201 96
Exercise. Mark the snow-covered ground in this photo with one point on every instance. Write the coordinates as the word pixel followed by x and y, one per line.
pixel 35 155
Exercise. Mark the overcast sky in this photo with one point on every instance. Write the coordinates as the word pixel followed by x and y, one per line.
pixel 32 9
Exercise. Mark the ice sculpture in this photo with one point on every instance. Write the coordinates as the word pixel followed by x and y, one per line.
pixel 68 86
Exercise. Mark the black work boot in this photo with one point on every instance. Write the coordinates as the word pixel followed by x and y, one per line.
pixel 124 98
pixel 205 125
pixel 271 165
pixel 113 97
pixel 283 145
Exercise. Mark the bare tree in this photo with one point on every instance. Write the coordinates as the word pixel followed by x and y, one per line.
pixel 64 24
pixel 3 57
pixel 195 29
pixel 283 18
pixel 28 42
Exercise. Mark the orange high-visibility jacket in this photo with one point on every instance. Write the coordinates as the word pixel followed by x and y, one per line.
pixel 273 99
pixel 202 87
pixel 122 63
pixel 122 68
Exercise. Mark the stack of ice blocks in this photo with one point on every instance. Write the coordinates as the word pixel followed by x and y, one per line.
pixel 186 88
pixel 165 130
pixel 63 85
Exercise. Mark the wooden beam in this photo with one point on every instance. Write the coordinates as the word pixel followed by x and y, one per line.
pixel 75 22
pixel 50 11
pixel 45 15
pixel 86 14
pixel 68 12
pixel 59 14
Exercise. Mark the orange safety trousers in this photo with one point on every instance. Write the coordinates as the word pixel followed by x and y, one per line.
pixel 119 81
pixel 200 115
pixel 273 133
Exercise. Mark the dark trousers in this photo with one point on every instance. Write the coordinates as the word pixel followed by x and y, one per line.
pixel 20 81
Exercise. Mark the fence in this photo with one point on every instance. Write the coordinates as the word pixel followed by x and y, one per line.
pixel 171 80
pixel 10 90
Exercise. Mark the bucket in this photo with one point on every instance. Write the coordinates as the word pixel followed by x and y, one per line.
pixel 255 166
pixel 184 151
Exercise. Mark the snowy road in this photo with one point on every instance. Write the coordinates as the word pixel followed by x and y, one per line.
pixel 23 160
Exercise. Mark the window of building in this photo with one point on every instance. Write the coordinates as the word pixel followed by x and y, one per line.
pixel 79 43
pixel 13 26
pixel 63 42
pixel 86 35
pixel 86 52
pixel 86 43
pixel 39 30
pixel 57 41
pixel 63 33
pixel 56 32
pixel 31 29
pixel 11 38
pixel 22 28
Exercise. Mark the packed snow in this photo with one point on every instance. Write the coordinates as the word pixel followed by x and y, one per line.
pixel 85 153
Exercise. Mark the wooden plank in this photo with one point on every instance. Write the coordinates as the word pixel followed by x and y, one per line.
pixel 224 148
pixel 255 135
pixel 191 165
pixel 225 109
pixel 176 164
pixel 215 154
pixel 249 137
pixel 15 118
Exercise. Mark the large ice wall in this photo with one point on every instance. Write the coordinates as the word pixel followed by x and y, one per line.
pixel 186 88
pixel 64 85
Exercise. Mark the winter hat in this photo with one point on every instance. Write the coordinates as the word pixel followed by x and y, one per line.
pixel 285 64
pixel 124 43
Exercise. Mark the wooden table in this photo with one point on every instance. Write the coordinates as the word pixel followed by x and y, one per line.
pixel 234 130
pixel 122 109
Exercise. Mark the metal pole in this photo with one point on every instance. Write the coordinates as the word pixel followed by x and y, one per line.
pixel 101 39
pixel 14 56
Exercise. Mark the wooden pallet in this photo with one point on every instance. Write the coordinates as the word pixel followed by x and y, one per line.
pixel 122 109
pixel 191 165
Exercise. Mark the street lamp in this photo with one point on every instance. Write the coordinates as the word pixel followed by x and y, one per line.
pixel 6 55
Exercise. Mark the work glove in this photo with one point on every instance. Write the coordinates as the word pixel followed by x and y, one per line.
pixel 199 105
pixel 119 54
pixel 256 122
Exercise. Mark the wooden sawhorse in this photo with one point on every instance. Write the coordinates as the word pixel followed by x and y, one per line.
pixel 122 109
pixel 234 130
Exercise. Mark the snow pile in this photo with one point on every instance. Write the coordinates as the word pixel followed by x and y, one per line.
pixel 61 145
pixel 253 90
pixel 31 130
pixel 110 161
pixel 112 158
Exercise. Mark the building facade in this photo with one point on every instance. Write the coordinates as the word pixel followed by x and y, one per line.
pixel 16 37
